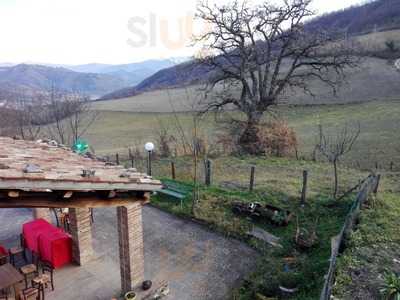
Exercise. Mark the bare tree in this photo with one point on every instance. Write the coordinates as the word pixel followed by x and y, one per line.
pixel 334 147
pixel 69 117
pixel 262 52
pixel 29 117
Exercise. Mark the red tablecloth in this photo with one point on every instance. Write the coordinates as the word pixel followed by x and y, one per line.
pixel 55 247
pixel 51 243
pixel 32 231
pixel 3 251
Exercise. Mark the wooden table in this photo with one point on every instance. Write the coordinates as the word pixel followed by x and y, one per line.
pixel 9 276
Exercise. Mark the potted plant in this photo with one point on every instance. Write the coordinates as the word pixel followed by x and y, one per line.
pixel 288 283
pixel 391 287
pixel 304 238
pixel 279 217
pixel 130 296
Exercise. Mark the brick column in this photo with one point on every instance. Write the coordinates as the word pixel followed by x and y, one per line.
pixel 42 213
pixel 81 232
pixel 131 256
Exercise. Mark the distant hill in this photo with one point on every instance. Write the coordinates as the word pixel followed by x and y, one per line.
pixel 380 15
pixel 27 81
pixel 30 79
pixel 187 73
pixel 375 79
pixel 132 73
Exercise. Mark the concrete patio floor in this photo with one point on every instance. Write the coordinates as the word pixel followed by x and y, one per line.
pixel 197 264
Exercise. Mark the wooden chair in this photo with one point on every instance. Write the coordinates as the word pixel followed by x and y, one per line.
pixel 3 255
pixel 18 251
pixel 15 252
pixel 31 269
pixel 30 294
pixel 4 293
pixel 62 218
pixel 3 259
pixel 45 279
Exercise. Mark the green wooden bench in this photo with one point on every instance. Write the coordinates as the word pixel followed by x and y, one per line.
pixel 174 190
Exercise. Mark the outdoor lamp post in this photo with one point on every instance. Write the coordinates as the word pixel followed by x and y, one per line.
pixel 149 147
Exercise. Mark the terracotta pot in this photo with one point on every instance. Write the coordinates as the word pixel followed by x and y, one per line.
pixel 130 296
pixel 286 292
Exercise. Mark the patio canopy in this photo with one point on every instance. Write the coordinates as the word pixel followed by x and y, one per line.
pixel 45 174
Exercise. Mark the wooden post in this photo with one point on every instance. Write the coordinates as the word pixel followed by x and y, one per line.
pixel 378 179
pixel 208 173
pixel 131 158
pixel 252 173
pixel 304 190
pixel 391 166
pixel 117 158
pixel 173 174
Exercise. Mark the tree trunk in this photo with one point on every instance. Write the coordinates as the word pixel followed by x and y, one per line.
pixel 335 191
pixel 249 141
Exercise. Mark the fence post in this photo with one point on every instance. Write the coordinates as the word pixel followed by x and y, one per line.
pixel 208 173
pixel 304 189
pixel 378 179
pixel 252 173
pixel 391 166
pixel 173 170
pixel 132 162
pixel 117 158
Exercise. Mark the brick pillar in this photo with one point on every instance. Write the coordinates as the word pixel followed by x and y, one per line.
pixel 81 231
pixel 42 213
pixel 131 256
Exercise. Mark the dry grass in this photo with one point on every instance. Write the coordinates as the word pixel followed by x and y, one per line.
pixel 116 131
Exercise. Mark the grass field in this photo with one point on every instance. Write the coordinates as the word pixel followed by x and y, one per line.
pixel 380 123
pixel 372 250
pixel 278 182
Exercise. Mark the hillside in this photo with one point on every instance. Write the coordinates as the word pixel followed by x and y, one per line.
pixel 132 73
pixel 26 81
pixel 376 16
pixel 374 79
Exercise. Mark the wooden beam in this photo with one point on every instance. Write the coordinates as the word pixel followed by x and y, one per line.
pixel 84 202
pixel 147 185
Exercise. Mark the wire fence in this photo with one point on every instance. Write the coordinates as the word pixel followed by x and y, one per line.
pixel 369 186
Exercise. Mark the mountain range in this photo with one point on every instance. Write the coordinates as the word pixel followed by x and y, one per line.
pixel 26 81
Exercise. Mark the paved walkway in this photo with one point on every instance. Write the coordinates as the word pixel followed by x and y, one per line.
pixel 197 263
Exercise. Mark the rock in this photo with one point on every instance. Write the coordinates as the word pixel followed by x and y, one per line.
pixel 265 236
pixel 31 168
pixel 146 285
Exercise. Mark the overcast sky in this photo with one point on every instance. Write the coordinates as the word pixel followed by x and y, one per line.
pixel 103 31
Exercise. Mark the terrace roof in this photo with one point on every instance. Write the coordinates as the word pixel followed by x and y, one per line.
pixel 33 167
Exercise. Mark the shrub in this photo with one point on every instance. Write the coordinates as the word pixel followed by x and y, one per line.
pixel 276 137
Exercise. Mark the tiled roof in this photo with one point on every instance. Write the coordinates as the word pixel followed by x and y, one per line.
pixel 38 165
